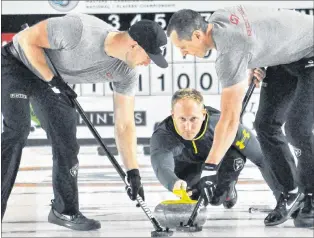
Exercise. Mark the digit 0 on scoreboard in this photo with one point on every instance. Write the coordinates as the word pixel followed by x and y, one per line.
pixel 183 76
pixel 160 80
pixel 206 78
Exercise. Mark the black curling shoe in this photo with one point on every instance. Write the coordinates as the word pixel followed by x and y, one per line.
pixel 287 204
pixel 75 222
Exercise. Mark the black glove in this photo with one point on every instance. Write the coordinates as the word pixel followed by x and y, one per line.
pixel 134 179
pixel 207 183
pixel 63 87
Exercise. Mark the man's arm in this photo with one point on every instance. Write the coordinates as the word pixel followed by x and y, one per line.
pixel 32 41
pixel 162 158
pixel 55 33
pixel 125 132
pixel 227 126
pixel 163 166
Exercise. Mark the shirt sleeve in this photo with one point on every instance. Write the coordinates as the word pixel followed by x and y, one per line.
pixel 64 32
pixel 163 161
pixel 127 85
pixel 231 67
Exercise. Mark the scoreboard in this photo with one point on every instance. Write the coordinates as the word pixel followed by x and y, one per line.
pixel 155 81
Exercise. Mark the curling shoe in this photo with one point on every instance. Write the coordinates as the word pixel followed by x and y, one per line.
pixel 228 198
pixel 232 196
pixel 287 204
pixel 75 222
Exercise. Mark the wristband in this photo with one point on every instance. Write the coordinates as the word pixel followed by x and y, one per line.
pixel 209 170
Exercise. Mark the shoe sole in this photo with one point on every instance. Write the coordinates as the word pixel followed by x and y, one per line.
pixel 295 207
pixel 78 227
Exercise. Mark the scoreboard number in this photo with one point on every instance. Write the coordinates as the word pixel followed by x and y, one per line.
pixel 206 15
pixel 206 78
pixel 161 80
pixel 183 76
pixel 160 19
pixel 143 81
pixel 209 57
pixel 114 19
pixel 137 18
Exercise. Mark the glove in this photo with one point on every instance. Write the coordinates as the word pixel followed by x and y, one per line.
pixel 208 182
pixel 179 184
pixel 63 87
pixel 135 188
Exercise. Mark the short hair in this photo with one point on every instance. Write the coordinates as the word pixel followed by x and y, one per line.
pixel 187 93
pixel 185 22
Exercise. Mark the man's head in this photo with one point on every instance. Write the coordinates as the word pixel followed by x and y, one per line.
pixel 148 42
pixel 188 31
pixel 188 112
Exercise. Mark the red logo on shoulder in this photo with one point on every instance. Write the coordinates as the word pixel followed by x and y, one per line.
pixel 109 75
pixel 234 19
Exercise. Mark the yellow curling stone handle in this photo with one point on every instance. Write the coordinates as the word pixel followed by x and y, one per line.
pixel 184 198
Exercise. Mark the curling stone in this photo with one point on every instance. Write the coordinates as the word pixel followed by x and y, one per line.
pixel 175 213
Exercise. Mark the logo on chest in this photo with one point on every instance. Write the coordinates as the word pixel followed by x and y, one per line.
pixel 234 19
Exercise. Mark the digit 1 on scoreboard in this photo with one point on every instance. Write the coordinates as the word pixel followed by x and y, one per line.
pixel 161 80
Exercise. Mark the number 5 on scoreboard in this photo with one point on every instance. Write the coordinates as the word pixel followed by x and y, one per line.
pixel 160 18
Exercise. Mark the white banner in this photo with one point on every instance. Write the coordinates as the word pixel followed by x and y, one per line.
pixel 102 6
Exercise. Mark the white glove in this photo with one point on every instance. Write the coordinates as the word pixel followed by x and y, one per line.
pixel 179 184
